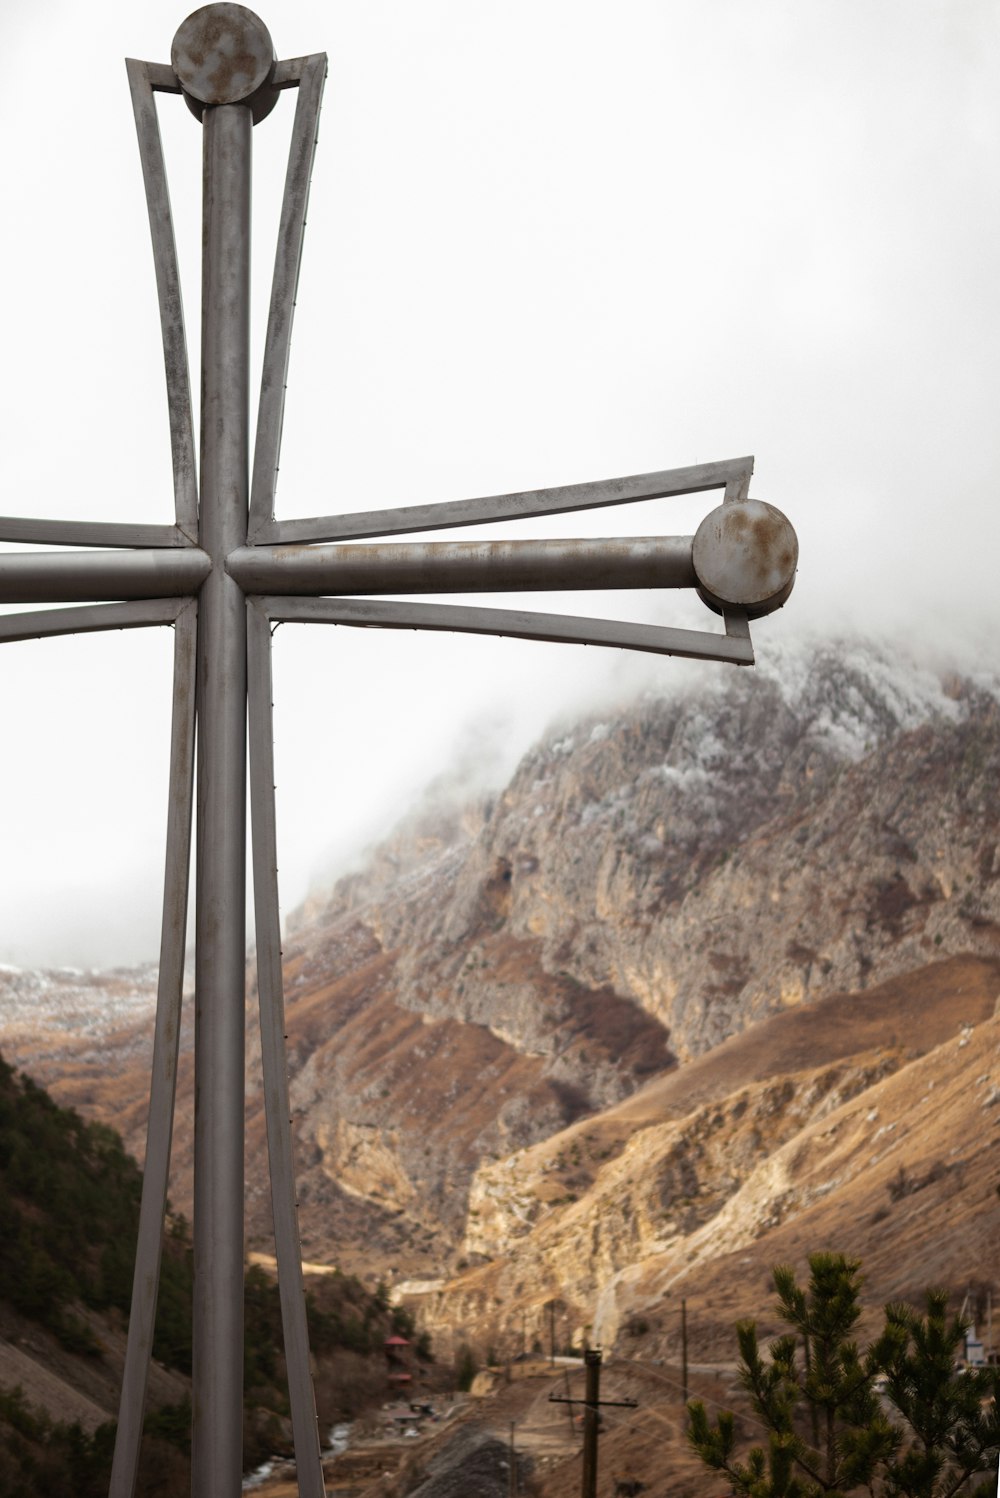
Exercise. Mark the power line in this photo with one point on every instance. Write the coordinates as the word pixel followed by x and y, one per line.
pixel 705 1398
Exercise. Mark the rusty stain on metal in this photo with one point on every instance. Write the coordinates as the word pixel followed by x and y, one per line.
pixel 745 553
pixel 466 566
pixel 223 54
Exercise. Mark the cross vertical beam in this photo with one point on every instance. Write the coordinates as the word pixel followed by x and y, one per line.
pixel 220 961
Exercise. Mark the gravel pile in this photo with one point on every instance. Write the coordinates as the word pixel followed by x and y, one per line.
pixel 473 1465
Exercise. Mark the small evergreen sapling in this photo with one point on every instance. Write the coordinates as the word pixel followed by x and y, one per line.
pixel 951 1418
pixel 828 1431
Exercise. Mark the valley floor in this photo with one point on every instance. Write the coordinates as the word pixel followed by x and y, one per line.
pixel 644 1444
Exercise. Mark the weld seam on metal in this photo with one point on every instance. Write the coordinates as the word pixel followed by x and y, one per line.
pixel 737 624
pixel 162 78
pixel 738 486
pixel 288 73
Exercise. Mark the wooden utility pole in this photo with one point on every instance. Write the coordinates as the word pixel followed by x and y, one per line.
pixel 592 1396
pixel 512 1477
pixel 592 1403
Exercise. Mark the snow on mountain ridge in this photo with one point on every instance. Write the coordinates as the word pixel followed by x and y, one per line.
pixel 74 1002
pixel 857 693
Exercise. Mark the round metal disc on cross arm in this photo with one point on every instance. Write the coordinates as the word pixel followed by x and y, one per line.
pixel 745 554
pixel 223 54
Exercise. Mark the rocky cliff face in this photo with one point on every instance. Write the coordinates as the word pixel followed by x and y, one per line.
pixel 762 842
pixel 757 842
pixel 647 885
pixel 866 1123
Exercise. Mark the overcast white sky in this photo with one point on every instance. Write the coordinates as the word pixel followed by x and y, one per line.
pixel 549 241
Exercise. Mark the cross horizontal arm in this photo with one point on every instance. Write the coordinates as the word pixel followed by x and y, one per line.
pixel 732 474
pixel 516 624
pixel 466 566
pixel 81 576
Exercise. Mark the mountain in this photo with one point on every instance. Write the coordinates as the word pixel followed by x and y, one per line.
pixel 69 1210
pixel 68 1213
pixel 866 1124
pixel 516 992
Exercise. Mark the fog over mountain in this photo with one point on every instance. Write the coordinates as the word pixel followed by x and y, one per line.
pixel 543 247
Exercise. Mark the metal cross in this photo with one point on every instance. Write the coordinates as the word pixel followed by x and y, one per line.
pixel 222 575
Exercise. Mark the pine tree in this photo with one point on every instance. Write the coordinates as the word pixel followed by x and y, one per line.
pixel 829 1434
pixel 952 1422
